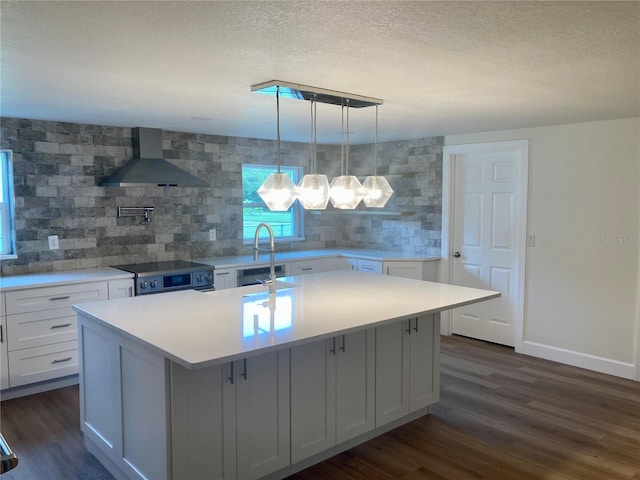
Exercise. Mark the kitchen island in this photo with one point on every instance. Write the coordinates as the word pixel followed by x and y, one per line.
pixel 245 384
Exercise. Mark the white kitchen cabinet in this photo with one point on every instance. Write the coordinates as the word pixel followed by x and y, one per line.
pixel 364 265
pixel 4 357
pixel 415 269
pixel 355 384
pixel 406 357
pixel 123 380
pixel 332 392
pixel 42 330
pixel 231 421
pixel 225 278
pixel 313 394
pixel 203 423
pixel 122 288
pixel 406 269
pixel 315 265
pixel 227 421
pixel 262 414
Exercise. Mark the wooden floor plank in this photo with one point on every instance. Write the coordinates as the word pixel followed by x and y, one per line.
pixel 502 416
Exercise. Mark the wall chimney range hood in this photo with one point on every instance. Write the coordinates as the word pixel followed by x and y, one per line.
pixel 147 168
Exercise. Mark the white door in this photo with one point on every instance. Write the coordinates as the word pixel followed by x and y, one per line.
pixel 488 236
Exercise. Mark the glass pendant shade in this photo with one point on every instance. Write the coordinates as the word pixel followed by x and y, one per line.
pixel 346 192
pixel 378 191
pixel 278 192
pixel 314 192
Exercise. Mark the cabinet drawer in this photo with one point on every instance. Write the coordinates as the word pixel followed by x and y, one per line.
pixel 31 365
pixel 370 266
pixel 35 329
pixel 302 268
pixel 45 298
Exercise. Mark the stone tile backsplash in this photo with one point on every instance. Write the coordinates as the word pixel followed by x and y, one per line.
pixel 57 168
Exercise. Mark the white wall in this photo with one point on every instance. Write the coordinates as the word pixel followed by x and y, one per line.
pixel 581 283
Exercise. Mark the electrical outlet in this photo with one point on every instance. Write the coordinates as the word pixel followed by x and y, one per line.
pixel 531 240
pixel 53 242
pixel 212 234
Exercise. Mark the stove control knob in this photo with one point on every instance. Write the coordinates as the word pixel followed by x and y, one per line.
pixel 154 283
pixel 209 277
pixel 143 284
pixel 199 278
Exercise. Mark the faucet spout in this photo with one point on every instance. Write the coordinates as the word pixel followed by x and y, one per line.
pixel 272 254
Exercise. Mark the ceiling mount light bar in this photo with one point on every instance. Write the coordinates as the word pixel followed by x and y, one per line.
pixel 321 95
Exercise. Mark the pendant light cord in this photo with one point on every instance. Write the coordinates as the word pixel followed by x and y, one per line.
pixel 314 136
pixel 342 139
pixel 347 154
pixel 278 123
pixel 375 147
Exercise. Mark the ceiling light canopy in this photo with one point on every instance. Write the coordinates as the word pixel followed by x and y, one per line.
pixel 322 95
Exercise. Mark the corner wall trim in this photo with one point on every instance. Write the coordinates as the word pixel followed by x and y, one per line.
pixel 581 360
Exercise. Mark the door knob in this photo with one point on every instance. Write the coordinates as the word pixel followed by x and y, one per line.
pixel 456 254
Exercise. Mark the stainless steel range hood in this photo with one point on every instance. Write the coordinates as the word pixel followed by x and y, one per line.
pixel 147 168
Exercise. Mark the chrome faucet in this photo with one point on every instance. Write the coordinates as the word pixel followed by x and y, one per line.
pixel 272 255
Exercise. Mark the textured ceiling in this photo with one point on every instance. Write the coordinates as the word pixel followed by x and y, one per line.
pixel 441 67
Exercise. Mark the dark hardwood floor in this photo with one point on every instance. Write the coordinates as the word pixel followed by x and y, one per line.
pixel 501 416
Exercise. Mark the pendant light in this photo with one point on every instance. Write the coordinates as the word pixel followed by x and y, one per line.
pixel 278 191
pixel 378 189
pixel 314 188
pixel 346 191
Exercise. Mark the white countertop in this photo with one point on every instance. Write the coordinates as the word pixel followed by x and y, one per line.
pixel 380 255
pixel 199 329
pixel 48 279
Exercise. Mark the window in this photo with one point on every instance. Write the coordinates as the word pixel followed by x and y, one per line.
pixel 284 224
pixel 7 231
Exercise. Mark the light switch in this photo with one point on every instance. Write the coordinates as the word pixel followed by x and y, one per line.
pixel 212 234
pixel 531 240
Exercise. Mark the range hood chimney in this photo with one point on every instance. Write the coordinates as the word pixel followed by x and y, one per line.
pixel 147 168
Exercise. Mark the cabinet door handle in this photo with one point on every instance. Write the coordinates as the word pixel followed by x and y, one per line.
pixel 222 273
pixel 344 344
pixel 231 375
pixel 306 269
pixel 62 325
pixel 1 334
pixel 244 369
pixel 408 330
pixel 333 345
pixel 62 360
pixel 64 297
pixel 415 329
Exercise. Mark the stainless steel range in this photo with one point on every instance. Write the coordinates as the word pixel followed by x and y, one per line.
pixel 169 276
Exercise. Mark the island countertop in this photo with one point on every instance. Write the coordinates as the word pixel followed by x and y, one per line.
pixel 200 329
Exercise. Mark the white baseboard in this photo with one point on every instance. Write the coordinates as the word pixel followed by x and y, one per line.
pixel 581 360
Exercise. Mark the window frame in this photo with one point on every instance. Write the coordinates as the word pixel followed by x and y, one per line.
pixel 295 210
pixel 7 207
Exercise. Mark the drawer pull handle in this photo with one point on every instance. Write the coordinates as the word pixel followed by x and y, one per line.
pixel 64 297
pixel 306 269
pixel 62 325
pixel 222 273
pixel 62 360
